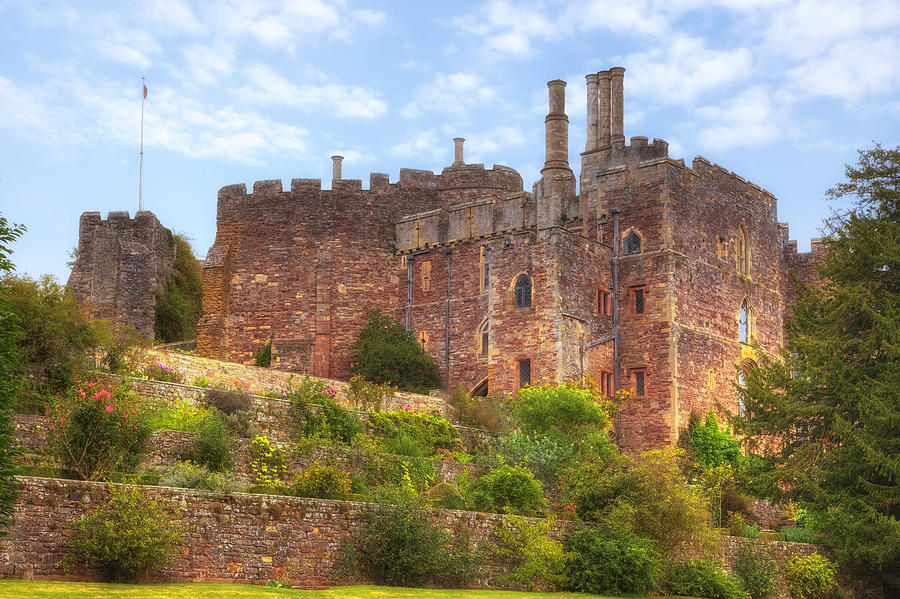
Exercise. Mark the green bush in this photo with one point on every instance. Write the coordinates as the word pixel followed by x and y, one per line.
pixel 601 564
pixel 161 372
pixel 95 431
pixel 263 358
pixel 446 496
pixel 183 416
pixel 712 446
pixel 701 578
pixel 751 531
pixel 809 577
pixel 544 455
pixel 315 413
pixel 399 546
pixel 507 490
pixel 324 481
pixel 212 444
pixel 187 475
pixel 429 430
pixel 404 445
pixel 386 352
pixel 10 387
pixel 757 570
pixel 488 413
pixel 229 401
pixel 178 307
pixel 267 462
pixel 126 538
pixel 539 562
pixel 366 395
pixel 565 412
pixel 798 534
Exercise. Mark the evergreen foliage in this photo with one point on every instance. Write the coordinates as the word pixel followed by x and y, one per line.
pixel 601 564
pixel 386 352
pixel 178 308
pixel 826 411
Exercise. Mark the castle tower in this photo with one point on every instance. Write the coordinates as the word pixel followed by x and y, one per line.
pixel 557 183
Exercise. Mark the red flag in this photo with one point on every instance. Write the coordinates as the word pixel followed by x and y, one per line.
pixel 145 92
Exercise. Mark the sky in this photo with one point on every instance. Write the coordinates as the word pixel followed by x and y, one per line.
pixel 782 93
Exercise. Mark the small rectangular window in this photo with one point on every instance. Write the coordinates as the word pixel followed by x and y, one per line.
pixel 485 268
pixel 524 372
pixel 639 380
pixel 638 302
pixel 606 383
pixel 603 303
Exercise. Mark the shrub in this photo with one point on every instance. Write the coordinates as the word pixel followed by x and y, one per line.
pixel 184 417
pixel 798 534
pixel 399 546
pixel 809 577
pixel 386 352
pixel 95 431
pixel 202 381
pixel 404 445
pixel 325 481
pixel 178 307
pixel 751 531
pixel 545 456
pixel 757 570
pixel 263 358
pixel 161 372
pixel 539 561
pixel 127 537
pixel 212 444
pixel 566 412
pixel 229 402
pixel 10 387
pixel 365 395
pixel 429 430
pixel 445 495
pixel 315 413
pixel 266 461
pixel 713 446
pixel 187 475
pixel 479 412
pixel 508 490
pixel 701 578
pixel 600 564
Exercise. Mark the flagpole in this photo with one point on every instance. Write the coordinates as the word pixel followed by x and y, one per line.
pixel 141 169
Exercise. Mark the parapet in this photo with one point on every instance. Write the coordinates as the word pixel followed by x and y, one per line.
pixel 719 174
pixel 475 176
pixel 411 177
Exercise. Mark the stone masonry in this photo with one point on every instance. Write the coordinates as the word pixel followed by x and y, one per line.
pixel 642 272
pixel 121 264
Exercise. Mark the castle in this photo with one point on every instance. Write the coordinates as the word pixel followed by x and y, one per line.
pixel 643 273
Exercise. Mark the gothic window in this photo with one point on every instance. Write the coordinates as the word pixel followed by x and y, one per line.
pixel 632 243
pixel 485 268
pixel 742 383
pixel 524 372
pixel 744 322
pixel 485 338
pixel 606 383
pixel 743 253
pixel 523 292
pixel 639 382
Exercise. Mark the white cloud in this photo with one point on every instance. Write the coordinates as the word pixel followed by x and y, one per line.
pixel 207 64
pixel 450 93
pixel 685 70
pixel 745 120
pixel 270 88
pixel 850 70
pixel 420 145
pixel 174 16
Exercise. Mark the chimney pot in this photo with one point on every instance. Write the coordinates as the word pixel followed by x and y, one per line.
pixel 617 103
pixel 458 151
pixel 336 167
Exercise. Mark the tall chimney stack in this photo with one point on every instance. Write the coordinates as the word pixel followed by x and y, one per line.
pixel 603 117
pixel 557 128
pixel 458 151
pixel 336 167
pixel 592 117
pixel 617 103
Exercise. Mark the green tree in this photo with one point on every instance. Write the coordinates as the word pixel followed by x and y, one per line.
pixel 10 382
pixel 387 353
pixel 178 307
pixel 826 411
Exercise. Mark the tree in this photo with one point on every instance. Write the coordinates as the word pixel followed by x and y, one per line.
pixel 178 307
pixel 827 411
pixel 10 382
pixel 387 353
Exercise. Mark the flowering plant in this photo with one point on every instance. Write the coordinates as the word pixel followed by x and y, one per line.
pixel 94 431
pixel 267 462
pixel 162 372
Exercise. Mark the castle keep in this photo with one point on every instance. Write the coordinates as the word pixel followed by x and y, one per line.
pixel 641 271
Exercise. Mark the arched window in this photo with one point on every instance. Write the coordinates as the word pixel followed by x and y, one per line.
pixel 743 253
pixel 523 292
pixel 742 383
pixel 632 243
pixel 485 338
pixel 744 322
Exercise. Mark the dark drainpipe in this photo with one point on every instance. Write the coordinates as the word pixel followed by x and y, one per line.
pixel 409 269
pixel 615 313
pixel 449 253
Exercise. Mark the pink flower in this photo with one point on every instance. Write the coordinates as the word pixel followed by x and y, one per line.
pixel 109 409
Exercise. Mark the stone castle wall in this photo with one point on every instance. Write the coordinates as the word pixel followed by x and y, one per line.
pixel 121 264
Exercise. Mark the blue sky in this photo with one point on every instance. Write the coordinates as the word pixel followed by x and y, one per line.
pixel 783 93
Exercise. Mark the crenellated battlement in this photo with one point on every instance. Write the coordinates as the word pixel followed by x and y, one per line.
pixel 717 173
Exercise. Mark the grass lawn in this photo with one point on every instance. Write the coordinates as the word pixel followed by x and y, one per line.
pixel 19 589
